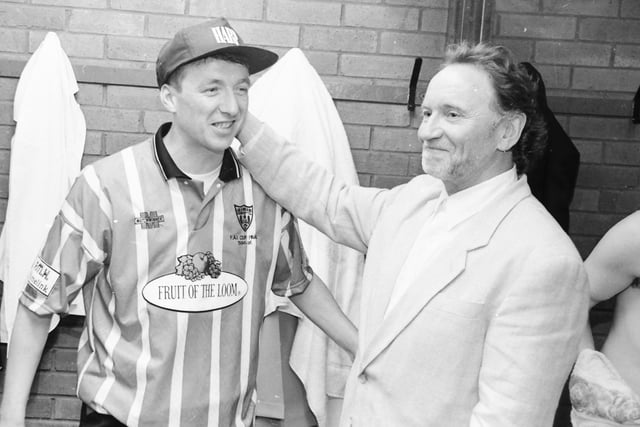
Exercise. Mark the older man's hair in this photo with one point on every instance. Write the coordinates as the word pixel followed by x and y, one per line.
pixel 515 92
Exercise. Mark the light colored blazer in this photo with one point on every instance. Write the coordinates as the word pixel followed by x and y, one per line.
pixel 487 335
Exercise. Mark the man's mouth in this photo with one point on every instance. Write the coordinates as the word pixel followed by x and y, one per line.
pixel 223 125
pixel 432 148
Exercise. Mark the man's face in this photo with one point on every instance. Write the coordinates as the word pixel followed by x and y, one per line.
pixel 211 104
pixel 460 128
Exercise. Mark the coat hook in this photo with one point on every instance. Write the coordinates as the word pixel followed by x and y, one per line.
pixel 411 104
pixel 635 118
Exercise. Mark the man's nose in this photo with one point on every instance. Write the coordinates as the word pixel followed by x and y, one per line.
pixel 429 129
pixel 229 104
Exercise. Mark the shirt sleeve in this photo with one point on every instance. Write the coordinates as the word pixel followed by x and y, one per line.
pixel 75 249
pixel 293 273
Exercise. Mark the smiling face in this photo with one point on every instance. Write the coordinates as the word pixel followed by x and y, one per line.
pixel 462 132
pixel 209 104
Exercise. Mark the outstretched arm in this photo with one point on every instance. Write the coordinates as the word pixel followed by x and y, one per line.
pixel 25 350
pixel 345 213
pixel 318 304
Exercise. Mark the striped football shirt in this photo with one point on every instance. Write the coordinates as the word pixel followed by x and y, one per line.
pixel 174 284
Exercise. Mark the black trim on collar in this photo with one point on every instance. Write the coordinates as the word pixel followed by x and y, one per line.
pixel 167 165
pixel 230 169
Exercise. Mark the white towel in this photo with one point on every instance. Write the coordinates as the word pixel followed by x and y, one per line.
pixel 46 151
pixel 293 100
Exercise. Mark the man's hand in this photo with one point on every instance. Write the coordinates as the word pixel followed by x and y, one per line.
pixel 250 129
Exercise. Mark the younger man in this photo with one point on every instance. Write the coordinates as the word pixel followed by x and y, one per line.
pixel 174 246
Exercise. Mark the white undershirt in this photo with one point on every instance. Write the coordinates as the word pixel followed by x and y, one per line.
pixel 441 228
pixel 207 179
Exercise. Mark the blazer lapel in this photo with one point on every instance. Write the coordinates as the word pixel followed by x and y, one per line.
pixel 404 232
pixel 447 264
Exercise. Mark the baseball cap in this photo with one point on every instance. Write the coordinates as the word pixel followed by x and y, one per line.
pixel 207 38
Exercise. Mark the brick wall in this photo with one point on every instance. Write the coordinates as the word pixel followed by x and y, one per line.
pixel 588 54
pixel 586 50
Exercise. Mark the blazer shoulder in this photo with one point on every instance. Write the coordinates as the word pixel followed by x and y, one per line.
pixel 533 228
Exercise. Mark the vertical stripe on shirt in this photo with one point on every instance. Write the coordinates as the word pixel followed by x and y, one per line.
pixel 247 307
pixel 112 340
pixel 87 335
pixel 80 277
pixel 216 318
pixel 94 183
pixel 182 238
pixel 142 267
pixel 115 333
pixel 83 370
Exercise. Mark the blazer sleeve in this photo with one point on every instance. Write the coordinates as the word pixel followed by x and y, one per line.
pixel 531 344
pixel 345 213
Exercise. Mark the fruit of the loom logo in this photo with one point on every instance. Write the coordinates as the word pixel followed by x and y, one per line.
pixel 195 267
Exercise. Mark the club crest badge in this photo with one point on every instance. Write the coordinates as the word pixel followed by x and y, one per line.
pixel 244 214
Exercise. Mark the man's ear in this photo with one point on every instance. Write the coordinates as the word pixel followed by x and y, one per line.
pixel 167 97
pixel 513 124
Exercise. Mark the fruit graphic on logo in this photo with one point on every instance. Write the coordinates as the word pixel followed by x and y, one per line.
pixel 200 262
pixel 195 267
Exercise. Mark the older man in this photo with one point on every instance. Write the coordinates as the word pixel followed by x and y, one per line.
pixel 474 298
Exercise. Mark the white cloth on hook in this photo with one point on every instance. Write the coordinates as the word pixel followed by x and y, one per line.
pixel 46 151
pixel 293 100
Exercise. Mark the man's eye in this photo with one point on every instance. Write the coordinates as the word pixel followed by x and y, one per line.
pixel 243 89
pixel 211 89
pixel 426 113
pixel 453 114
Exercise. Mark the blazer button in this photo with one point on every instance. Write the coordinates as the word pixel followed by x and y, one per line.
pixel 362 378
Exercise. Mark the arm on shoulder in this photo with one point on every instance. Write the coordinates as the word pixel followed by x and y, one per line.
pixel 347 213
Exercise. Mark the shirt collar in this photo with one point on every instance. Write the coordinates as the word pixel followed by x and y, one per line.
pixel 455 209
pixel 229 170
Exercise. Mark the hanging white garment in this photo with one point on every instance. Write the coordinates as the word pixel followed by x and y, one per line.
pixel 293 100
pixel 46 150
